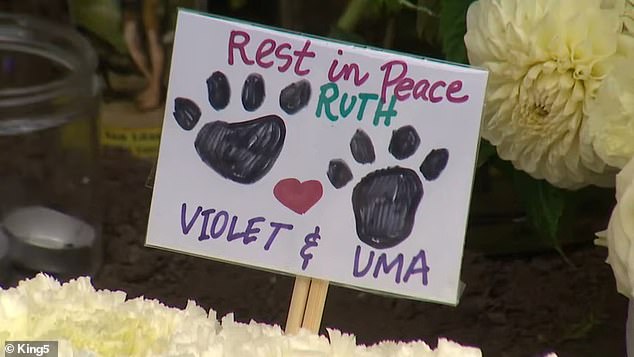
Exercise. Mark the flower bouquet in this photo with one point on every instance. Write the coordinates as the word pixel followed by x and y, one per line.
pixel 560 106
pixel 89 322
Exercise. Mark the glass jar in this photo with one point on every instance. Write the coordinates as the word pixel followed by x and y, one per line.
pixel 49 176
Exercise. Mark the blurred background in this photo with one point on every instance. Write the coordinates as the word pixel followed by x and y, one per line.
pixel 532 286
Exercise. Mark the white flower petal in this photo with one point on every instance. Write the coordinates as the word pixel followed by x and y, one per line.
pixel 620 232
pixel 547 60
pixel 87 322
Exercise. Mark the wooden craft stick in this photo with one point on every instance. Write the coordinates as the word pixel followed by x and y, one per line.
pixel 315 305
pixel 298 304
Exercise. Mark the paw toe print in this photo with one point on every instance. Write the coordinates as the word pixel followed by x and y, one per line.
pixel 434 163
pixel 385 201
pixel 244 151
pixel 186 112
pixel 218 90
pixel 295 96
pixel 253 92
pixel 362 148
pixel 384 204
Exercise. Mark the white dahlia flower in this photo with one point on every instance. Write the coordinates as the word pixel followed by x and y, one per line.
pixel 619 238
pixel 609 132
pixel 547 59
pixel 620 232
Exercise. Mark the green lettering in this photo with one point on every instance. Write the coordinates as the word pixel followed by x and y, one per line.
pixel 387 114
pixel 325 100
pixel 365 97
pixel 342 105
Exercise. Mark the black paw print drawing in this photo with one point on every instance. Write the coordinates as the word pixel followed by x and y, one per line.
pixel 244 151
pixel 385 201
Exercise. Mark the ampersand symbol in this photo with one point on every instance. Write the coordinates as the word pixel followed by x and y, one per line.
pixel 311 241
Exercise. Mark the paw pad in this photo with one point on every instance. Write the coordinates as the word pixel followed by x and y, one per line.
pixel 218 90
pixel 339 174
pixel 186 112
pixel 362 148
pixel 244 151
pixel 404 142
pixel 385 201
pixel 434 163
pixel 295 96
pixel 253 92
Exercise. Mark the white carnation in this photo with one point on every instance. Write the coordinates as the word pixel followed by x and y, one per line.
pixel 90 323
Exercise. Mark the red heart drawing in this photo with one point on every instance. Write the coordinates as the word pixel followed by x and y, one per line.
pixel 298 196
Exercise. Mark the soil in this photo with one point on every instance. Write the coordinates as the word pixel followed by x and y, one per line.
pixel 513 305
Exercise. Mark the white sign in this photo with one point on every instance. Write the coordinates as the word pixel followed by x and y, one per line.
pixel 316 158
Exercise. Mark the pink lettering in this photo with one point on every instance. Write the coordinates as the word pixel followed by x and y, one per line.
pixel 264 49
pixel 301 54
pixel 240 46
pixel 420 90
pixel 455 87
pixel 405 85
pixel 346 71
pixel 387 81
pixel 283 56
pixel 432 96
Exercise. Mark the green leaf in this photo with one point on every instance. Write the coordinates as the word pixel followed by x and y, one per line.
pixel 343 35
pixel 544 205
pixel 102 18
pixel 355 11
pixel 237 4
pixel 427 21
pixel 453 27
pixel 419 7
pixel 391 6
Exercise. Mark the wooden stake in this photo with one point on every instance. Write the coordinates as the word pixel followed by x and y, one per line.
pixel 298 304
pixel 315 305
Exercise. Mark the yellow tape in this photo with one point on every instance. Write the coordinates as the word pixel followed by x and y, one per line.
pixel 141 142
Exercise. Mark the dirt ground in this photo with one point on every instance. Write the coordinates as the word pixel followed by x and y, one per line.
pixel 512 306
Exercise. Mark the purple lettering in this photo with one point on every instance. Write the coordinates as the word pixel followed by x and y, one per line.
pixel 381 264
pixel 276 229
pixel 231 235
pixel 423 269
pixel 250 230
pixel 186 227
pixel 217 233
pixel 203 230
pixel 355 269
